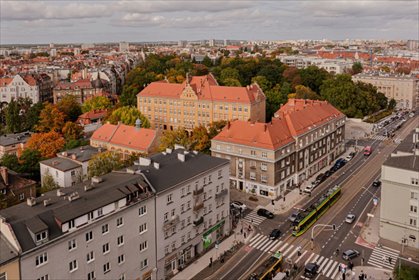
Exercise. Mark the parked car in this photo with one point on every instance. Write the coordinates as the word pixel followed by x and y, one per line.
pixel 309 189
pixel 265 213
pixel 320 178
pixel 350 218
pixel 310 270
pixel 350 254
pixel 328 173
pixel 276 233
pixel 376 183
pixel 238 205
pixel 293 216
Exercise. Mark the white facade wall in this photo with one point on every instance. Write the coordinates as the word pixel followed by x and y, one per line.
pixel 62 178
pixel 18 88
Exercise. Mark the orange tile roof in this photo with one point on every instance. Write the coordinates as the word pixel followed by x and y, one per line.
pixel 262 135
pixel 5 81
pixel 126 135
pixel 303 114
pixel 206 88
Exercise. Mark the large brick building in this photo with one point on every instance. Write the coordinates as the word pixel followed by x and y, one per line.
pixel 199 101
pixel 266 158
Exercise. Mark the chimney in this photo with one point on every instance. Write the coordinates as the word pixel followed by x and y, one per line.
pixel 137 124
pixel 168 150
pixel 181 157
pixel 5 175
pixel 31 201
pixel 145 161
pixel 73 156
pixel 156 165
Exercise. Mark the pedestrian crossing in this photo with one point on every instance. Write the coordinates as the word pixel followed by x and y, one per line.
pixel 327 267
pixel 384 257
pixel 253 218
pixel 378 137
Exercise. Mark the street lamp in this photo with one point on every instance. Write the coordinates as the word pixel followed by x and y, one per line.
pixel 333 227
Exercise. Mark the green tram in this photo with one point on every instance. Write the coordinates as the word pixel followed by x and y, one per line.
pixel 272 266
pixel 316 210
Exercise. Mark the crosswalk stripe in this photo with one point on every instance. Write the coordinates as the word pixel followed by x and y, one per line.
pixel 319 259
pixel 268 244
pixel 253 243
pixel 259 242
pixel 263 243
pixel 272 249
pixel 335 273
pixel 256 237
pixel 308 260
pixel 323 265
pixel 293 252
pixel 289 249
pixel 334 267
pixel 283 247
pixel 300 257
pixel 386 252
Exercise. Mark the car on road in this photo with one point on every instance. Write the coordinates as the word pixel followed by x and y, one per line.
pixel 238 205
pixel 320 178
pixel 293 216
pixel 350 156
pixel 350 218
pixel 328 173
pixel 376 183
pixel 309 188
pixel 350 254
pixel 310 270
pixel 276 233
pixel 265 213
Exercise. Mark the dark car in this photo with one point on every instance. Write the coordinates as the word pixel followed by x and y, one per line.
pixel 328 173
pixel 320 178
pixel 376 183
pixel 350 254
pixel 310 270
pixel 265 213
pixel 276 233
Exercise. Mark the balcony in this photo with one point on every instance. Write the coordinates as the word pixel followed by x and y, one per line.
pixel 198 192
pixel 198 222
pixel 221 193
pixel 198 206
pixel 171 222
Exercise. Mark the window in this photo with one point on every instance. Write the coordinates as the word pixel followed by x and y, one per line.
pixel 41 236
pixel 89 236
pixel 122 276
pixel 252 152
pixel 91 275
pixel 120 240
pixel 143 246
pixel 263 178
pixel 173 245
pixel 166 216
pixel 169 198
pixel 99 212
pixel 182 208
pixel 142 210
pixel 119 222
pixel 415 181
pixel 413 222
pixel 21 196
pixel 220 174
pixel 166 250
pixel 106 267
pixel 413 208
pixel 264 154
pixel 72 244
pixel 71 224
pixel 73 265
pixel 3 277
pixel 121 259
pixel 189 205
pixel 143 228
pixel 105 228
pixel 143 264
pixel 41 259
pixel 105 248
pixel 252 176
pixel 90 257
pixel 173 212
pixel 263 166
pixel 414 195
pixel 89 215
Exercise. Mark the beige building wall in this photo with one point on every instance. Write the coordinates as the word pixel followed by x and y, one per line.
pixel 11 270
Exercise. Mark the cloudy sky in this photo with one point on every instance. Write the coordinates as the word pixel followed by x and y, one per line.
pixel 149 20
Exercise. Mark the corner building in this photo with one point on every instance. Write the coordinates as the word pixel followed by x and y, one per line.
pixel 199 101
pixel 267 158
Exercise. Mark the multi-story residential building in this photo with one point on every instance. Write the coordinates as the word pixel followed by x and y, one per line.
pixel 266 158
pixel 83 90
pixel 199 101
pixel 14 188
pixel 100 230
pixel 399 209
pixel 9 260
pixel 38 88
pixel 13 143
pixel 69 167
pixel 192 198
pixel 125 139
pixel 403 89
pixel 337 66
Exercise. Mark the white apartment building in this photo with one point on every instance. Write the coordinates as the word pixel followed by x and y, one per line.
pixel 403 89
pixel 37 88
pixel 399 211
pixel 100 230
pixel 192 198
pixel 337 66
pixel 69 167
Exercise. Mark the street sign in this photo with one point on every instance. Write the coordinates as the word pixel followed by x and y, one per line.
pixel 370 215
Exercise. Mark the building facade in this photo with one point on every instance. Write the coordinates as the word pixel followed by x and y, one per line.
pixel 37 88
pixel 267 158
pixel 192 198
pixel 9 260
pixel 199 101
pixel 403 89
pixel 13 143
pixel 399 209
pixel 102 230
pixel 15 189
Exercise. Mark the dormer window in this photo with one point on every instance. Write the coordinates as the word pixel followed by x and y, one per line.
pixel 41 236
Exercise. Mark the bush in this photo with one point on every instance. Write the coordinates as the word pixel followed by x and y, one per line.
pixel 375 118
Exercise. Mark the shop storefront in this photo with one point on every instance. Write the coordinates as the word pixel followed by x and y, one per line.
pixel 213 234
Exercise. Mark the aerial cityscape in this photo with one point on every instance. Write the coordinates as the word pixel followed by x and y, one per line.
pixel 209 140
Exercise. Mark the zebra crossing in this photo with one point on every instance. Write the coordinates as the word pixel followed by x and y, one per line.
pixel 254 218
pixel 327 267
pixel 384 257
pixel 378 137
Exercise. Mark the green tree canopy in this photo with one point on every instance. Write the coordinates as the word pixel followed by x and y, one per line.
pixel 128 115
pixel 70 107
pixel 96 103
pixel 302 92
pixel 72 131
pixel 357 68
pixel 172 137
pixel 313 77
pixel 104 163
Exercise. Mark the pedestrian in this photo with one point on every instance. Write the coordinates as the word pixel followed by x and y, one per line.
pixel 250 227
pixel 210 264
pixel 251 221
pixel 390 260
pixel 244 235
pixel 339 268
pixel 241 231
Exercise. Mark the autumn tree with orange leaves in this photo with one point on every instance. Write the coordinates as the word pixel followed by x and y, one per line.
pixel 48 143
pixel 50 119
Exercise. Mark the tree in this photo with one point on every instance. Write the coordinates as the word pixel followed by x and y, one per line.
pixel 392 104
pixel 207 61
pixel 229 82
pixel 104 163
pixel 357 68
pixel 96 103
pixel 313 77
pixel 48 183
pixel 216 128
pixel 263 83
pixel 302 92
pixel 70 107
pixel 10 161
pixel 29 162
pixel 274 98
pixel 229 73
pixel 48 144
pixel 129 96
pixel 50 119
pixel 72 131
pixel 128 115
pixel 172 137
pixel 200 140
pixel 15 114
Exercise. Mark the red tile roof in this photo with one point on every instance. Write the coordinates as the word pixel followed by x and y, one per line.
pixel 126 136
pixel 80 84
pixel 206 88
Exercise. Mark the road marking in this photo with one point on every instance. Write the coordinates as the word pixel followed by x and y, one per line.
pixel 260 237
pixel 334 274
pixel 268 244
pixel 323 265
pixel 289 249
pixel 308 260
pixel 254 237
pixel 293 252
pixel 300 257
pixel 334 265
pixel 283 247
pixel 273 249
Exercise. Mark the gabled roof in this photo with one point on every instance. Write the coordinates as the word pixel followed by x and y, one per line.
pixel 262 135
pixel 126 135
pixel 205 88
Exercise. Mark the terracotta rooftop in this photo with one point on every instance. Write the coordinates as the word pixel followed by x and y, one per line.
pixel 206 88
pixel 125 135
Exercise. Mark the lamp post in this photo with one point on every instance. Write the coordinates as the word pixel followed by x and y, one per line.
pixel 333 227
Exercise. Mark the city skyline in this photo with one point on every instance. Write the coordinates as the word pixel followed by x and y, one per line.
pixel 24 22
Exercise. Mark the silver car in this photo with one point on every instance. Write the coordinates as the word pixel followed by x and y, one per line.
pixel 350 218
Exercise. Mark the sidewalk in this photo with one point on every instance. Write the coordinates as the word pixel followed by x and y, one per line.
pixel 373 273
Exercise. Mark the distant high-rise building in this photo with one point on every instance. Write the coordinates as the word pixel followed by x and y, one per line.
pixel 53 52
pixel 212 42
pixel 51 45
pixel 76 51
pixel 87 46
pixel 182 43
pixel 123 47
pixel 412 44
